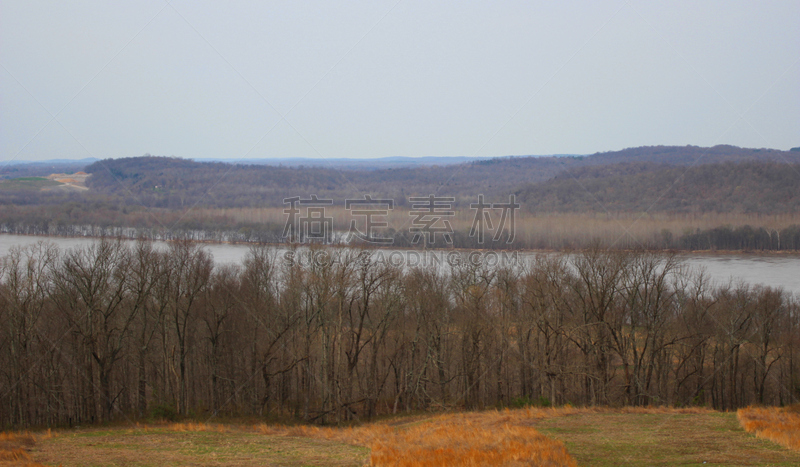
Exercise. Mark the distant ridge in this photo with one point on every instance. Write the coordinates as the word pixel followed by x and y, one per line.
pixel 363 164
pixel 672 155
pixel 168 182
pixel 85 161
pixel 692 155
pixel 17 169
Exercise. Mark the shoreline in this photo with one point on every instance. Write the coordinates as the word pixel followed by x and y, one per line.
pixel 776 253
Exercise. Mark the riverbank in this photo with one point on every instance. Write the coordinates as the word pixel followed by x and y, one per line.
pixel 776 269
pixel 709 252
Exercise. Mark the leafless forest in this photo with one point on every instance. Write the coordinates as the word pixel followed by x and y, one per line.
pixel 125 331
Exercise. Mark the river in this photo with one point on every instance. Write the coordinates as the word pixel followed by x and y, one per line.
pixel 767 269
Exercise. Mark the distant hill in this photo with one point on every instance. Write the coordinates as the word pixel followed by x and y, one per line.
pixel 82 162
pixel 355 164
pixel 626 180
pixel 19 169
pixel 173 183
pixel 765 187
pixel 693 155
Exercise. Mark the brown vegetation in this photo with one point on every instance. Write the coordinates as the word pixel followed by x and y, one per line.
pixel 530 436
pixel 15 448
pixel 330 336
pixel 780 425
pixel 549 231
pixel 749 187
pixel 477 439
pixel 471 439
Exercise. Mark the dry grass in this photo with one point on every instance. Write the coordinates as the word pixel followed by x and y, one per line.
pixel 470 439
pixel 780 425
pixel 15 448
pixel 184 427
pixel 529 436
pixel 661 437
pixel 543 230
pixel 192 444
pixel 455 442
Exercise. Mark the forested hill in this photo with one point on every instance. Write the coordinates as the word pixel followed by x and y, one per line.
pixel 178 183
pixel 693 155
pixel 174 183
pixel 750 187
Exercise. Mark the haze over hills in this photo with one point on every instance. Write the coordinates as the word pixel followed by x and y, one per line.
pixel 9 168
pixel 693 155
pixel 15 162
pixel 171 182
pixel 544 182
pixel 17 169
pixel 178 193
pixel 674 155
pixel 352 163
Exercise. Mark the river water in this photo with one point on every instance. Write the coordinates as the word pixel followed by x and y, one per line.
pixel 767 269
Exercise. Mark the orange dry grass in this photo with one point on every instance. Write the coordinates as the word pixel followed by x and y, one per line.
pixel 14 448
pixel 779 425
pixel 14 455
pixel 470 439
pixel 458 443
pixel 182 427
pixel 474 438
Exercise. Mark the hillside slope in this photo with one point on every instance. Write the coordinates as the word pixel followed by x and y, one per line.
pixel 178 183
pixel 749 187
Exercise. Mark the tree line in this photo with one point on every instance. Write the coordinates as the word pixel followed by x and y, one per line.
pixel 124 330
pixel 533 232
pixel 746 238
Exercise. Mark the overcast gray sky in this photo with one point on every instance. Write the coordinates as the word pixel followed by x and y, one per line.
pixel 242 79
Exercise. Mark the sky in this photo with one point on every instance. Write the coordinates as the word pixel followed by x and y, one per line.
pixel 366 79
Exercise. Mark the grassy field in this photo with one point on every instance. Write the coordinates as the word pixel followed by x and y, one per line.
pixel 157 447
pixel 663 437
pixel 548 437
pixel 27 183
pixel 210 445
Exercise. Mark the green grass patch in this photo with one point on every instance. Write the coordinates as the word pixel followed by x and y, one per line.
pixel 135 447
pixel 27 183
pixel 613 439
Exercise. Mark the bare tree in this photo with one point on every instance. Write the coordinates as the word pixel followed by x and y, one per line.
pixel 189 273
pixel 770 313
pixel 26 286
pixel 90 290
pixel 146 286
pixel 598 287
